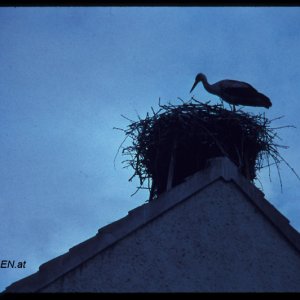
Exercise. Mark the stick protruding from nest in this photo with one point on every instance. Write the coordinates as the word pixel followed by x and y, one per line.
pixel 178 140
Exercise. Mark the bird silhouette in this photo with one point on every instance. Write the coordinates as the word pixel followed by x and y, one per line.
pixel 234 92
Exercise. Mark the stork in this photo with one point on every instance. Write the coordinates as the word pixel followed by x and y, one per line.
pixel 234 92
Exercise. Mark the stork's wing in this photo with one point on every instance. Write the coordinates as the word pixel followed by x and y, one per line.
pixel 236 84
pixel 237 88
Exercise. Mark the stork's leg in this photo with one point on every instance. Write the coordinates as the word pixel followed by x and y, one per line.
pixel 232 108
pixel 222 102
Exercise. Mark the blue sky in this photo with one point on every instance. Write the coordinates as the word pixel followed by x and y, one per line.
pixel 67 74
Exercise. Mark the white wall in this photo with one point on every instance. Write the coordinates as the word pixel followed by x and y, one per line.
pixel 215 241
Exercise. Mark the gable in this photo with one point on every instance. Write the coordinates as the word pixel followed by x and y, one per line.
pixel 217 240
pixel 216 208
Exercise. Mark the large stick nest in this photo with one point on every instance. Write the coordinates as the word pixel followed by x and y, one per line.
pixel 192 133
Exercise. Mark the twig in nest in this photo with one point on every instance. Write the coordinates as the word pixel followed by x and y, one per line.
pixel 203 131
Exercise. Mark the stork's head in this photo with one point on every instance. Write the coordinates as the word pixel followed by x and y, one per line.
pixel 200 77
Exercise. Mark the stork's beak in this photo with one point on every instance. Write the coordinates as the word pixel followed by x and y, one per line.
pixel 194 85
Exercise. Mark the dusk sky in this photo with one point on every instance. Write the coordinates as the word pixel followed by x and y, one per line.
pixel 67 75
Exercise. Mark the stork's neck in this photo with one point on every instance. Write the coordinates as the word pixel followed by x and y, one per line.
pixel 208 86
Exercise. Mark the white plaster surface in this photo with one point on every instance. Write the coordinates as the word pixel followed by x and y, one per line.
pixel 215 241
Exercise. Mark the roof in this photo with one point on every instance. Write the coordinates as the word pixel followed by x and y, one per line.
pixel 218 168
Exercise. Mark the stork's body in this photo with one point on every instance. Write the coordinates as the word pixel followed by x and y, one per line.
pixel 234 92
